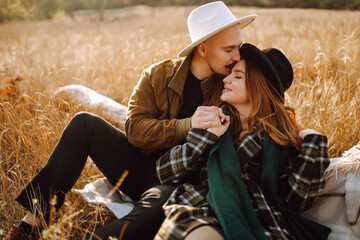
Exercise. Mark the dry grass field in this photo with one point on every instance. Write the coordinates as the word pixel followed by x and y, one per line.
pixel 38 57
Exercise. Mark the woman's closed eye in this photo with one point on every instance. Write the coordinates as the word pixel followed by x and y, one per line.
pixel 239 75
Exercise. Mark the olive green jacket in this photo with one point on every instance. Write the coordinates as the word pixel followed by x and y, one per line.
pixel 157 98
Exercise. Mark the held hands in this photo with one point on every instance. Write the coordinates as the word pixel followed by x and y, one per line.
pixel 205 117
pixel 211 118
pixel 220 130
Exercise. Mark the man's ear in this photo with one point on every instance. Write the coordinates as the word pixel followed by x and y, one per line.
pixel 201 49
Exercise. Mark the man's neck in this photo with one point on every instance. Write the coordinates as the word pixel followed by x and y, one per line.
pixel 199 68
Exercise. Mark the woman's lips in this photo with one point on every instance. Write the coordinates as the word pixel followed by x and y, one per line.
pixel 226 90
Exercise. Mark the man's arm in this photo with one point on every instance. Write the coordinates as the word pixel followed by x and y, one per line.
pixel 143 127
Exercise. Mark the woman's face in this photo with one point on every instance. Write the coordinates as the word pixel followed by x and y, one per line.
pixel 235 92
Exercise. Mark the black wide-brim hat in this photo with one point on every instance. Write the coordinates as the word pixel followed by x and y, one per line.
pixel 273 64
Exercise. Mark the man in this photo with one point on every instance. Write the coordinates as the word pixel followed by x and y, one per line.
pixel 163 107
pixel 169 92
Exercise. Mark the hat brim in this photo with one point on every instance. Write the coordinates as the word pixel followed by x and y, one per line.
pixel 243 22
pixel 266 67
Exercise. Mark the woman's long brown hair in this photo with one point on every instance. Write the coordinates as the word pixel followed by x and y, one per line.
pixel 268 110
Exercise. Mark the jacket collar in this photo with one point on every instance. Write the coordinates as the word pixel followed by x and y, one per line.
pixel 251 145
pixel 178 80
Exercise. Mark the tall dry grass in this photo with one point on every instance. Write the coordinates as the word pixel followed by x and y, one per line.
pixel 109 56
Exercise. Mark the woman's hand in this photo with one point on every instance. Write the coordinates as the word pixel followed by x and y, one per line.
pixel 303 133
pixel 225 120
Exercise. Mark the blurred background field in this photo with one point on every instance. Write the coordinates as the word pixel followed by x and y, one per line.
pixel 108 56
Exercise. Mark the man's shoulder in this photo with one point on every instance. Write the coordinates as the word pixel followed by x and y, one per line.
pixel 166 64
pixel 162 72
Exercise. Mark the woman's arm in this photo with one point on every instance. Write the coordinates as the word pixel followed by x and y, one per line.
pixel 176 163
pixel 179 161
pixel 303 178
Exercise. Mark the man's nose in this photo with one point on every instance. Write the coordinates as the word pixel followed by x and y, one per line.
pixel 236 56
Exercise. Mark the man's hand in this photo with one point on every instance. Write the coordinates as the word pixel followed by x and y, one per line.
pixel 206 117
pixel 220 130
pixel 211 118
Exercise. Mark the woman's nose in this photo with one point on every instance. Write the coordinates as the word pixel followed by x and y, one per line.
pixel 227 79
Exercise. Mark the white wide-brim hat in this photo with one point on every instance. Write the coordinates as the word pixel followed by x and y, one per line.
pixel 209 19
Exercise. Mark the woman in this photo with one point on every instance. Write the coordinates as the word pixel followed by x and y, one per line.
pixel 249 180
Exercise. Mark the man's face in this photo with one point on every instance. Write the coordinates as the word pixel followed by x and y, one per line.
pixel 222 50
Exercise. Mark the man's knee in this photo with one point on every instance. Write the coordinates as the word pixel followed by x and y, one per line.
pixel 82 117
pixel 85 121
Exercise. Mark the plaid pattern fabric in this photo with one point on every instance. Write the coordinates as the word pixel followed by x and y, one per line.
pixel 302 179
pixel 300 182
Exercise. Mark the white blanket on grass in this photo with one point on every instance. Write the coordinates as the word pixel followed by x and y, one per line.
pixel 97 193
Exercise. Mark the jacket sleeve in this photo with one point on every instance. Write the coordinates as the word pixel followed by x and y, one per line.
pixel 143 128
pixel 303 178
pixel 179 161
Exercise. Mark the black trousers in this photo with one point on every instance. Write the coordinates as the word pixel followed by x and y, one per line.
pixel 90 135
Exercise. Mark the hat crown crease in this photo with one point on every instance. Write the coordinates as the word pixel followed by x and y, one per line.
pixel 204 20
